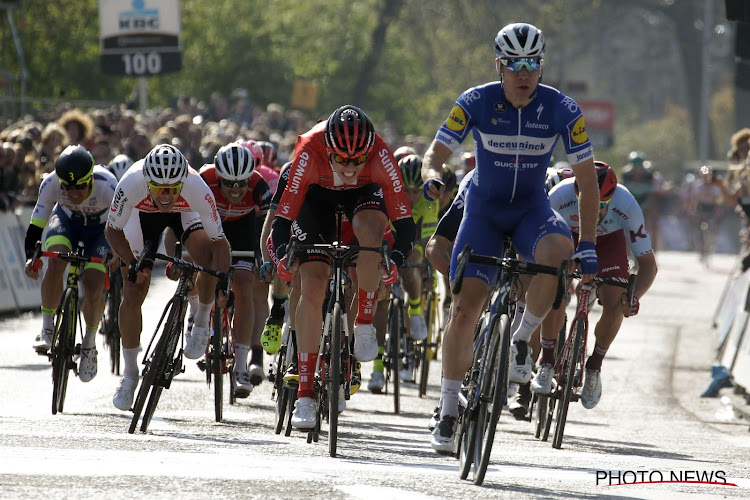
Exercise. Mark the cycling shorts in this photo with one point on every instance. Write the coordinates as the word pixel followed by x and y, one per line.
pixel 149 226
pixel 242 235
pixel 62 230
pixel 612 252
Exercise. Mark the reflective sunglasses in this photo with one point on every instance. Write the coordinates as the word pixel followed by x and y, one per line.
pixel 79 186
pixel 158 190
pixel 232 184
pixel 517 64
pixel 359 160
pixel 603 204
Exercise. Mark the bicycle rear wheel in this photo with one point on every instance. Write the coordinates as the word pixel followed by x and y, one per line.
pixel 428 345
pixel 62 349
pixel 569 372
pixel 156 367
pixel 394 342
pixel 111 320
pixel 494 393
pixel 280 390
pixel 334 379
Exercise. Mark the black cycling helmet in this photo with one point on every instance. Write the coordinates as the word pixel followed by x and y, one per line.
pixel 74 165
pixel 349 132
pixel 411 171
pixel 449 179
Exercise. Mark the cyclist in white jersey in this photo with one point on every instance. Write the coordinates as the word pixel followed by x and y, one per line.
pixel 620 225
pixel 73 202
pixel 162 191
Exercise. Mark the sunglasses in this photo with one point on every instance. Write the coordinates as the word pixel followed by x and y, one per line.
pixel 231 184
pixel 359 160
pixel 515 65
pixel 158 190
pixel 603 204
pixel 79 186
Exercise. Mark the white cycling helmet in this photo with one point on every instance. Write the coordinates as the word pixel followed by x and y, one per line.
pixel 119 165
pixel 519 40
pixel 235 162
pixel 165 165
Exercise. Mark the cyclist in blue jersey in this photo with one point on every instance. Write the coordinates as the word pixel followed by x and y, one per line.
pixel 516 124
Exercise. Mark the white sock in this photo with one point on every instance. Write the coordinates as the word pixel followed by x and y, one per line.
pixel 529 323
pixel 240 357
pixel 48 320
pixel 449 396
pixel 130 363
pixel 89 339
pixel 193 303
pixel 203 314
pixel 520 308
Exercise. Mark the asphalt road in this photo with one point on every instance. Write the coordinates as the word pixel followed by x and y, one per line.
pixel 650 424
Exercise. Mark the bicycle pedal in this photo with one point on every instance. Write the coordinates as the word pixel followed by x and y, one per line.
pixel 201 365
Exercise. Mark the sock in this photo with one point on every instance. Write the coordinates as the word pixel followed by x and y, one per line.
pixel 203 314
pixel 595 361
pixel 256 357
pixel 193 303
pixel 449 390
pixel 377 363
pixel 89 339
pixel 520 308
pixel 548 352
pixel 48 318
pixel 277 310
pixel 366 306
pixel 529 323
pixel 307 361
pixel 240 356
pixel 130 363
pixel 415 306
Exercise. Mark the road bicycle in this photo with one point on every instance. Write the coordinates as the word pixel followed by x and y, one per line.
pixel 485 388
pixel 110 327
pixel 571 361
pixel 396 353
pixel 335 360
pixel 64 349
pixel 164 361
pixel 219 360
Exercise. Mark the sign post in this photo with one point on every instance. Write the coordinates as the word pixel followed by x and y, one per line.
pixel 140 37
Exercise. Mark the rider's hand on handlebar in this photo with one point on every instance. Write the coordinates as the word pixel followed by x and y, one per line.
pixel 286 272
pixel 267 271
pixel 586 255
pixel 432 189
pixel 29 269
pixel 391 275
pixel 631 309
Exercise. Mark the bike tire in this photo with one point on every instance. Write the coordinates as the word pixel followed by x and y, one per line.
pixel 334 379
pixel 498 392
pixel 281 391
pixel 292 390
pixel 114 298
pixel 569 370
pixel 551 402
pixel 541 404
pixel 153 400
pixel 62 349
pixel 425 353
pixel 217 363
pixel 394 343
pixel 156 366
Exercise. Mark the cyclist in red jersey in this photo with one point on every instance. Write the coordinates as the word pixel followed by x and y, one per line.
pixel 242 200
pixel 341 161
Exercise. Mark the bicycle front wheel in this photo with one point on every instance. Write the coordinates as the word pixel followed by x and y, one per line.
pixel 494 394
pixel 334 379
pixel 62 349
pixel 569 372
pixel 217 362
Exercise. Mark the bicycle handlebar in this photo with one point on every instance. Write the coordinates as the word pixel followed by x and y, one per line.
pixel 629 285
pixel 336 251
pixel 514 266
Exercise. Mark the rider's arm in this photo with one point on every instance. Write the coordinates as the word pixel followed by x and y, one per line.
pixel 432 165
pixel 267 223
pixel 406 232
pixel 119 244
pixel 588 201
pixel 646 273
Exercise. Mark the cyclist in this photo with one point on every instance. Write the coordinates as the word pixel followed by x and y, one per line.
pixel 242 199
pixel 119 165
pixel 620 225
pixel 73 203
pixel 450 181
pixel 516 123
pixel 157 192
pixel 269 156
pixel 339 161
pixel 647 186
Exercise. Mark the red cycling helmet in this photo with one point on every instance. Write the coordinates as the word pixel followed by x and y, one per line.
pixel 349 132
pixel 607 181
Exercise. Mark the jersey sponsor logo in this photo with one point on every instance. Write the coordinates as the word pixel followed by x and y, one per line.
pixel 500 107
pixel 378 193
pixel 298 232
pixel 566 205
pixel 402 209
pixel 582 156
pixel 496 145
pixel 537 126
pixel 391 170
pixel 611 268
pixel 457 119
pixel 539 111
pixel 621 214
pixel 294 183
pixel 641 233
pixel 578 132
pixel 512 164
pixel 445 139
pixel 119 198
pixel 212 204
pixel 470 97
pixel 570 104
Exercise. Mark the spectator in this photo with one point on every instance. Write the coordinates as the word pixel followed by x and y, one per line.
pixel 79 126
pixel 54 139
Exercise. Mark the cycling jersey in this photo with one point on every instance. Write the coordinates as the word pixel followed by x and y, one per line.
pixel 270 176
pixel 623 214
pixel 255 202
pixel 451 219
pixel 513 145
pixel 93 210
pixel 133 196
pixel 425 215
pixel 281 186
